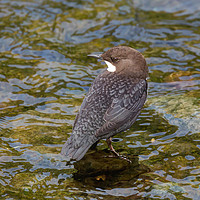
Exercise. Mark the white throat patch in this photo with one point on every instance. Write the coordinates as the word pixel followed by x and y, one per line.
pixel 111 67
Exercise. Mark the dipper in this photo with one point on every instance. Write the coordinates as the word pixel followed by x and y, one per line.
pixel 113 102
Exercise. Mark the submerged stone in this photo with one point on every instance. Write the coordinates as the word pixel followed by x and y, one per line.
pixel 103 168
pixel 99 162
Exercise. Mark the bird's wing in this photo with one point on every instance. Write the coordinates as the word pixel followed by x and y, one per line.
pixel 124 110
pixel 91 98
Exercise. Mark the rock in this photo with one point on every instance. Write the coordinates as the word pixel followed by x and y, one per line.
pixel 100 168
pixel 103 162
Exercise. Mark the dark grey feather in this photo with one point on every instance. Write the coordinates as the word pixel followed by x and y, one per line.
pixel 124 109
pixel 112 104
pixel 105 111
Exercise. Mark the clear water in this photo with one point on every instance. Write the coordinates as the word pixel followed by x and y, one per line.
pixel 45 73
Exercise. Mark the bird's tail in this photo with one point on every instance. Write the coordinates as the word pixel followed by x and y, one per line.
pixel 76 152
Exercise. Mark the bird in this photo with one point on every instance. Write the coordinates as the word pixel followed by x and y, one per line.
pixel 113 102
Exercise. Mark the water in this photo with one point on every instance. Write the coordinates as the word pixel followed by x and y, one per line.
pixel 45 73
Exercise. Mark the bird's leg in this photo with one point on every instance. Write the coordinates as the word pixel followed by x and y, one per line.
pixel 109 140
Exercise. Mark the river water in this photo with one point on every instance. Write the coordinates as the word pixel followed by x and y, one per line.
pixel 45 74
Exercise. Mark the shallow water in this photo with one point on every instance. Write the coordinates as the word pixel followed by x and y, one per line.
pixel 45 73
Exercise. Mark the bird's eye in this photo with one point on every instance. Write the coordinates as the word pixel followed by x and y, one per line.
pixel 114 60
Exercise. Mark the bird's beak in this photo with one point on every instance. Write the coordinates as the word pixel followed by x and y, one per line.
pixel 95 55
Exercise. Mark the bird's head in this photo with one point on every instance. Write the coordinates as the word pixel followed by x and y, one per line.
pixel 124 60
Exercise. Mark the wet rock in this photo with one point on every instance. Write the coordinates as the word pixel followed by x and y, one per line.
pixel 182 111
pixel 101 168
pixel 100 162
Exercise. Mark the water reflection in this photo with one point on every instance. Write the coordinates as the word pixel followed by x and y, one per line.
pixel 45 73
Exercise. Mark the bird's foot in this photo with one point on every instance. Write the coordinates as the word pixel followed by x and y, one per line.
pixel 117 155
pixel 114 152
pixel 125 158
